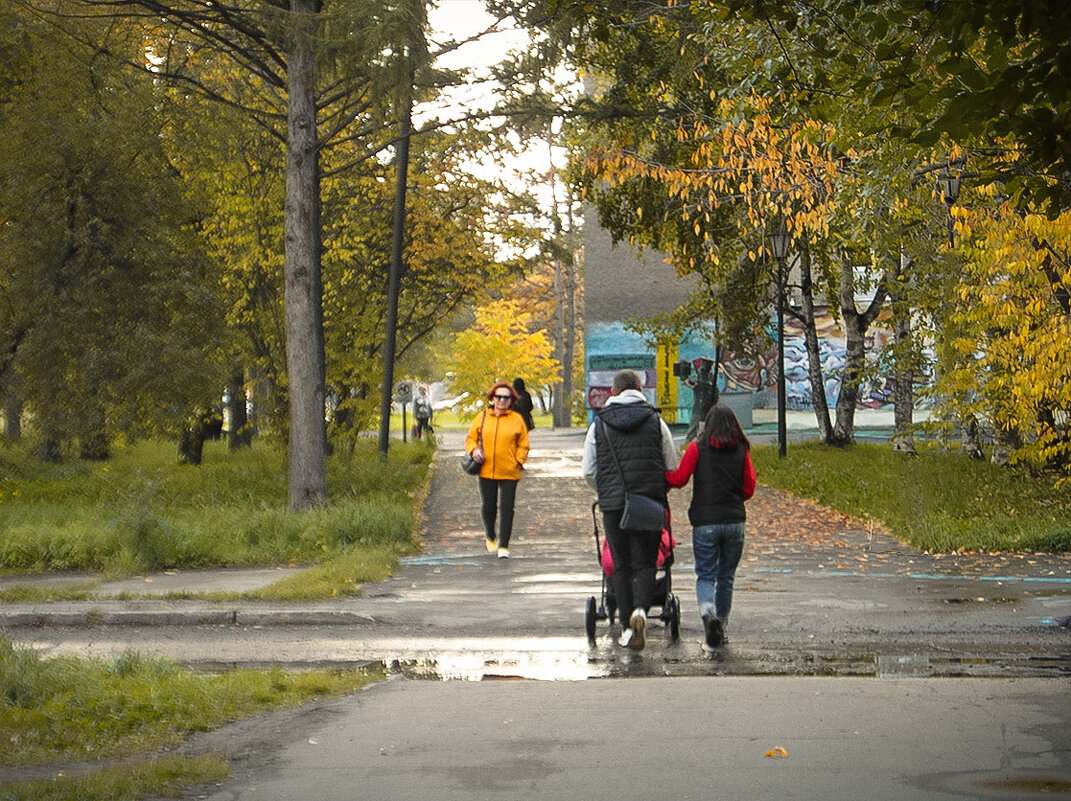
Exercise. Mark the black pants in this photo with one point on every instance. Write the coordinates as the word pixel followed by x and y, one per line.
pixel 635 555
pixel 423 425
pixel 498 495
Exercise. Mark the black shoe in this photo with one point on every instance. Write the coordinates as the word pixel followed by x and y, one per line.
pixel 712 630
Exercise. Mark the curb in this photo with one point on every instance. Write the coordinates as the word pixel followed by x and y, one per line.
pixel 232 616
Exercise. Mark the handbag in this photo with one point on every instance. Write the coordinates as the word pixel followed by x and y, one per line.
pixel 468 464
pixel 641 512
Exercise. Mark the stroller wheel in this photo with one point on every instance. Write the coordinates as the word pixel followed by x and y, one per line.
pixel 590 616
pixel 673 612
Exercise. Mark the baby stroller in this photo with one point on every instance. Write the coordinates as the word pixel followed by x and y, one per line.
pixel 606 607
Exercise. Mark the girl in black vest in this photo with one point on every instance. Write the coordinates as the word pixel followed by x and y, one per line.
pixel 720 458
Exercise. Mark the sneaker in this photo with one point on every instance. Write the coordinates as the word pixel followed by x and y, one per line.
pixel 712 630
pixel 503 553
pixel 625 638
pixel 492 545
pixel 636 624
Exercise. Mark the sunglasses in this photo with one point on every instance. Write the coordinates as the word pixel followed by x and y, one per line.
pixel 502 397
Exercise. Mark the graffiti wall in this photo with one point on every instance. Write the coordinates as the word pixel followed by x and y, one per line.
pixel 610 347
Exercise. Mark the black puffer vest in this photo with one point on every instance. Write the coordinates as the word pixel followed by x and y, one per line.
pixel 717 485
pixel 635 432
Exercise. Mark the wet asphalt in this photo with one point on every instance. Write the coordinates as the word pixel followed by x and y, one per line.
pixel 839 648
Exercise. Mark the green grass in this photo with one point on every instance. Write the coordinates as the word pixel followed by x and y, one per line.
pixel 143 511
pixel 165 776
pixel 936 501
pixel 67 710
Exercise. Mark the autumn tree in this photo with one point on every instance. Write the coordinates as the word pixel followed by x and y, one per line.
pixel 109 314
pixel 894 83
pixel 310 72
pixel 1008 361
pixel 449 264
pixel 500 345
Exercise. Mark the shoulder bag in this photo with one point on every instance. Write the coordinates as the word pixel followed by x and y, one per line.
pixel 468 464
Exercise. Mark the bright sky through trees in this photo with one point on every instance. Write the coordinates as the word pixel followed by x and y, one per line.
pixel 459 20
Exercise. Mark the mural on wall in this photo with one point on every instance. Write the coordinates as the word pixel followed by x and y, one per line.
pixel 741 373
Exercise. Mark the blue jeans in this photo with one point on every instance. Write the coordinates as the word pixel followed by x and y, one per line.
pixel 718 548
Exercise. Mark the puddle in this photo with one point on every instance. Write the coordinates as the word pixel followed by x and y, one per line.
pixel 539 666
pixel 605 659
pixel 999 784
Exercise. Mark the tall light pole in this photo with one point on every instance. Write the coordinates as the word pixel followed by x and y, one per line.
pixel 779 242
pixel 949 184
pixel 397 265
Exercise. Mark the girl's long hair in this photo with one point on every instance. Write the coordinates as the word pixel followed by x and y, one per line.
pixel 722 429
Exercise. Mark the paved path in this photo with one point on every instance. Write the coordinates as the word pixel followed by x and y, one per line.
pixel 841 601
pixel 823 594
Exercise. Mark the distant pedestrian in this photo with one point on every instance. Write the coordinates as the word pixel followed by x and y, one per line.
pixel 627 449
pixel 523 405
pixel 422 412
pixel 499 442
pixel 720 460
pixel 704 395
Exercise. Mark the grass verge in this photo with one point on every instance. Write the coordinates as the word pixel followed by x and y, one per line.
pixel 143 511
pixel 165 776
pixel 70 710
pixel 936 501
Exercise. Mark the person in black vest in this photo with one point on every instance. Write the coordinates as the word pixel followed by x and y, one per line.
pixel 720 459
pixel 642 450
pixel 523 405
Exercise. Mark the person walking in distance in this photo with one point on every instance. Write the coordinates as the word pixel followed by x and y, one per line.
pixel 422 412
pixel 724 478
pixel 499 443
pixel 629 448
pixel 523 404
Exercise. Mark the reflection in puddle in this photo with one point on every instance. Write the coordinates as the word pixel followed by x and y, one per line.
pixel 539 666
pixel 904 666
pixel 604 659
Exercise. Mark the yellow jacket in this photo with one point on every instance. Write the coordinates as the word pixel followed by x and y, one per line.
pixel 505 444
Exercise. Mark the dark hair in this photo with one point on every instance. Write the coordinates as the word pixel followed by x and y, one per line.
pixel 501 385
pixel 518 384
pixel 626 379
pixel 722 429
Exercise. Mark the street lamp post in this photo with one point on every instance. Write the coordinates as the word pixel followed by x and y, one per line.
pixel 779 242
pixel 949 184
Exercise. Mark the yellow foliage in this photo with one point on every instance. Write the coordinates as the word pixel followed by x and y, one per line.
pixel 1010 361
pixel 501 346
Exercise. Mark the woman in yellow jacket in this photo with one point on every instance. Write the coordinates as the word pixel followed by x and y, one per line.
pixel 499 442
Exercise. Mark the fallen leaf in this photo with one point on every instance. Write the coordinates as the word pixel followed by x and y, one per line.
pixel 778 752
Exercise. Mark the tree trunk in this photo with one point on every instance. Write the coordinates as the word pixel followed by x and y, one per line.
pixel 13 416
pixel 565 283
pixel 307 478
pixel 856 324
pixel 814 354
pixel 192 441
pixel 95 448
pixel 93 440
pixel 851 378
pixel 903 439
pixel 241 433
pixel 903 387
pixel 49 451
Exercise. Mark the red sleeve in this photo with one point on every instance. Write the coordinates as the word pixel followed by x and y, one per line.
pixel 748 488
pixel 679 477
